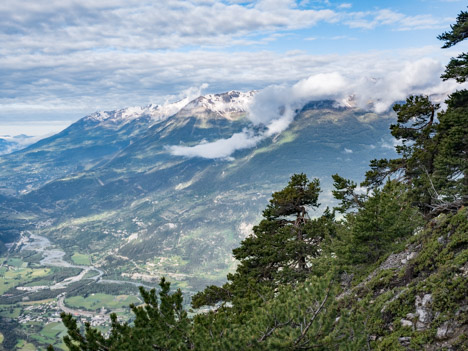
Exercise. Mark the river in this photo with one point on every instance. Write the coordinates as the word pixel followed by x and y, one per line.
pixel 54 257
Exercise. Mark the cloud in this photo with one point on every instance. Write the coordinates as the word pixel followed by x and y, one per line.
pixel 389 143
pixel 274 107
pixel 345 6
pixel 84 82
pixel 70 25
pixel 72 57
pixel 386 17
pixel 220 149
pixel 376 88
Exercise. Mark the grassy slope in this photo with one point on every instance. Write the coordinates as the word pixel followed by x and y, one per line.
pixel 434 268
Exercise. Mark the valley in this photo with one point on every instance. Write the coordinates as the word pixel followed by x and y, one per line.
pixel 90 214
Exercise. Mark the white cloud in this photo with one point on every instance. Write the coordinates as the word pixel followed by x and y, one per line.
pixel 221 149
pixel 389 143
pixel 85 55
pixel 274 107
pixel 375 88
pixel 86 82
pixel 386 17
pixel 71 25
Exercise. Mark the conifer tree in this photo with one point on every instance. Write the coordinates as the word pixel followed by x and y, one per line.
pixel 458 67
pixel 433 144
pixel 451 162
pixel 415 130
pixel 279 252
pixel 160 324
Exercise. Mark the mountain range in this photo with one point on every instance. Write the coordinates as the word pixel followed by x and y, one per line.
pixel 111 186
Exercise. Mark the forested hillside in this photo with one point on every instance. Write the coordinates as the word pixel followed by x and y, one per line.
pixel 386 269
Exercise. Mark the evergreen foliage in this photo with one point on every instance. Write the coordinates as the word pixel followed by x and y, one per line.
pixel 451 163
pixel 286 239
pixel 280 251
pixel 415 130
pixel 384 220
pixel 160 324
pixel 457 67
pixel 434 144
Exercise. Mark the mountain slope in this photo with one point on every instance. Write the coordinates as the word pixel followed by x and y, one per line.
pixel 182 216
pixel 417 298
pixel 89 141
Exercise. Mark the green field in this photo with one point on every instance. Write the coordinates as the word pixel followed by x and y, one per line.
pixel 17 262
pixel 96 301
pixel 81 259
pixel 52 333
pixel 25 346
pixel 54 330
pixel 18 276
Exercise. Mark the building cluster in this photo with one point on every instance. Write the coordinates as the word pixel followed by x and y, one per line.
pixel 49 312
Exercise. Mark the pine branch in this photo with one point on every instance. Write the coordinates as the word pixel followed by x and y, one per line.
pixel 304 332
pixel 272 329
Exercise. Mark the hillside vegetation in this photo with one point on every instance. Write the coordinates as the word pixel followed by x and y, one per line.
pixel 384 270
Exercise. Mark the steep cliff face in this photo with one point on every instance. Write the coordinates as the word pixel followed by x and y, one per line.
pixel 417 299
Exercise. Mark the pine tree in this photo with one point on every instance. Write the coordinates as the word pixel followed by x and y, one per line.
pixel 415 130
pixel 434 144
pixel 288 236
pixel 458 67
pixel 280 251
pixel 160 324
pixel 452 160
pixel 345 192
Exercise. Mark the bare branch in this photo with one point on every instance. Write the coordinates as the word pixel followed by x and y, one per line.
pixel 304 332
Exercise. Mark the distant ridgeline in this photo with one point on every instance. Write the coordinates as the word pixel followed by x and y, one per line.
pixel 389 273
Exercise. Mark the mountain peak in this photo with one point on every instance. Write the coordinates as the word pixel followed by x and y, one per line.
pixel 119 117
pixel 230 105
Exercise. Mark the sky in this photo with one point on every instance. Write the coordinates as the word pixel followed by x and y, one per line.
pixel 63 59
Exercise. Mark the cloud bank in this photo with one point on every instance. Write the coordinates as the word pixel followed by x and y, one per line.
pixel 64 59
pixel 274 107
pixel 219 149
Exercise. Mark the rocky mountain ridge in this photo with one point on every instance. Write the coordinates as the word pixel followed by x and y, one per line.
pixel 227 105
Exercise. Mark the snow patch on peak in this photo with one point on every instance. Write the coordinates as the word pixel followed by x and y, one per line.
pixel 228 105
pixel 154 112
